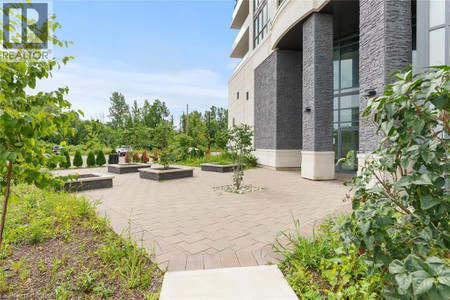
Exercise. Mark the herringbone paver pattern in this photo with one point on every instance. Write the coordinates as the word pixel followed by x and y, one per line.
pixel 190 226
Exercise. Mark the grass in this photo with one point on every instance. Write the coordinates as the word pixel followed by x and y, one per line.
pixel 321 268
pixel 221 159
pixel 55 246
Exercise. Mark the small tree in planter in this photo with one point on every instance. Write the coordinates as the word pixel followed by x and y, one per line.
pixel 78 160
pixel 65 164
pixel 165 159
pixel 127 158
pixel 91 159
pixel 136 157
pixel 240 138
pixel 100 160
pixel 144 157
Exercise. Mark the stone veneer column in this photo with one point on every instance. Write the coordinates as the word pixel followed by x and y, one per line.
pixel 385 46
pixel 318 154
pixel 278 110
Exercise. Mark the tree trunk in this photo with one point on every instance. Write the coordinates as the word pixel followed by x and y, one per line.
pixel 5 202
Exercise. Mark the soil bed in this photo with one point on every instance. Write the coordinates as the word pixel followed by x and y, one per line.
pixel 73 267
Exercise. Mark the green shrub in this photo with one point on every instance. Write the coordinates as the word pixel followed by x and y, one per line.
pixel 321 268
pixel 90 159
pixel 65 164
pixel 78 160
pixel 251 161
pixel 100 160
pixel 400 202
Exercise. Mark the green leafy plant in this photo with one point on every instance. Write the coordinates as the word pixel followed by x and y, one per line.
pixel 251 161
pixel 100 159
pixel 400 217
pixel 77 160
pixel 319 267
pixel 65 164
pixel 165 159
pixel 90 159
pixel 25 118
pixel 240 138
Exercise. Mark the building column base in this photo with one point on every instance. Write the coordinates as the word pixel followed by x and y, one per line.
pixel 318 165
pixel 279 159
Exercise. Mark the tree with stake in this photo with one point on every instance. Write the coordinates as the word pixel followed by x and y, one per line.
pixel 240 138
pixel 25 118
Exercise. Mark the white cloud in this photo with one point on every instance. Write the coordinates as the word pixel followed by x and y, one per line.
pixel 90 87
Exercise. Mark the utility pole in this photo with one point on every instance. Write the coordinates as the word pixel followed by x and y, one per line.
pixel 187 119
pixel 209 130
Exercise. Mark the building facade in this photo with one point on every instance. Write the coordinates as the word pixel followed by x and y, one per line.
pixel 309 67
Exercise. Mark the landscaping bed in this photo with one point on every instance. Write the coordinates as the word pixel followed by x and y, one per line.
pixel 86 182
pixel 215 167
pixel 161 174
pixel 56 247
pixel 127 168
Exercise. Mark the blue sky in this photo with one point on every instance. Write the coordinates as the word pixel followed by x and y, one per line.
pixel 175 51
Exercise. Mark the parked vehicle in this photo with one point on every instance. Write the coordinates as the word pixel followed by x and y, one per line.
pixel 122 150
pixel 57 149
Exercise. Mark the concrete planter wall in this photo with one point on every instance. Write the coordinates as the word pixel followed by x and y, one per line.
pixel 212 167
pixel 89 182
pixel 127 168
pixel 160 174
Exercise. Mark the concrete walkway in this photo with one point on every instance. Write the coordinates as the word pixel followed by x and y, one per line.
pixel 191 226
pixel 258 283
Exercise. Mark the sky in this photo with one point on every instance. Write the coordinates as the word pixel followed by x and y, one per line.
pixel 174 51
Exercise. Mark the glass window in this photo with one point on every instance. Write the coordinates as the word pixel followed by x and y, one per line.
pixel 437 12
pixel 437 47
pixel 260 24
pixel 349 101
pixel 336 69
pixel 349 66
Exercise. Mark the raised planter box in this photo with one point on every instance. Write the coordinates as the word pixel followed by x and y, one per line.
pixel 127 168
pixel 212 167
pixel 159 174
pixel 89 182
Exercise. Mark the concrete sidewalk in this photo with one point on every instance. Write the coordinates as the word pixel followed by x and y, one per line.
pixel 248 283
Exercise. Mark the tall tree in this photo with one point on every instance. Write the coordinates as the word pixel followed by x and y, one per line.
pixel 119 112
pixel 154 113
pixel 136 113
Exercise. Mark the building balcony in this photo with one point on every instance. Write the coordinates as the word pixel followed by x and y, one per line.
pixel 241 42
pixel 240 13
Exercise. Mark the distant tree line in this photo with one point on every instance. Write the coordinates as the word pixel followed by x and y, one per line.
pixel 152 124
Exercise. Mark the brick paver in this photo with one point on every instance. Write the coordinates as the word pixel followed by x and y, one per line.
pixel 188 225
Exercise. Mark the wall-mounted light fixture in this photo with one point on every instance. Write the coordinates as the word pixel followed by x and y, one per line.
pixel 308 109
pixel 371 93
